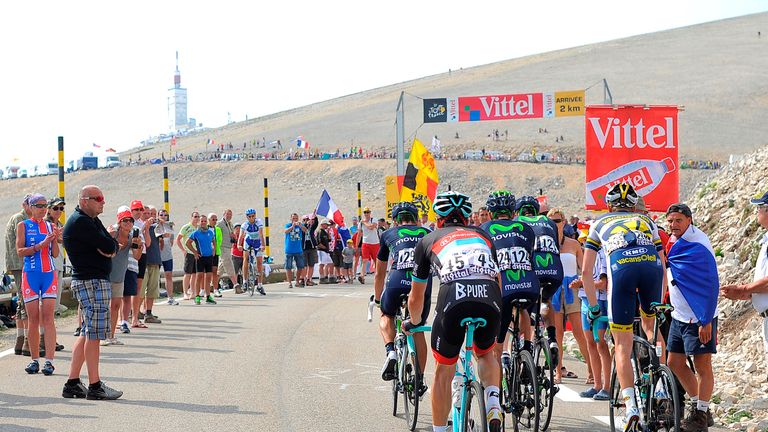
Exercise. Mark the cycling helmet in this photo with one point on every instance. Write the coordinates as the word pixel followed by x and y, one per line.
pixel 250 211
pixel 450 202
pixel 500 201
pixel 405 207
pixel 527 201
pixel 621 195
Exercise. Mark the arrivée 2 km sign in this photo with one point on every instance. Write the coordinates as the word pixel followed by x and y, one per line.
pixel 504 107
pixel 636 144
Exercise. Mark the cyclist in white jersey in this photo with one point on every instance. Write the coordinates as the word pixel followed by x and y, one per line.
pixel 252 238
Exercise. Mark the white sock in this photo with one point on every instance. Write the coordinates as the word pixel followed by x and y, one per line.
pixel 695 398
pixel 49 360
pixel 439 428
pixel 628 394
pixel 702 405
pixel 492 397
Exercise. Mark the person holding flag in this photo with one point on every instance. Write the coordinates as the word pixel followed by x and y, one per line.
pixel 693 290
pixel 421 179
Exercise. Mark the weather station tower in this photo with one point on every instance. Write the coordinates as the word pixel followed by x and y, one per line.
pixel 177 103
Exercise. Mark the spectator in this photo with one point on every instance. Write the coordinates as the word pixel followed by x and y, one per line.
pixel 213 222
pixel 483 215
pixel 164 230
pixel 336 246
pixel 128 244
pixel 14 264
pixel 140 215
pixel 149 291
pixel 310 249
pixel 202 244
pixel 349 256
pixel 294 237
pixel 370 244
pixel 90 249
pixel 55 207
pixel 190 266
pixel 228 239
pixel 237 259
pixel 323 252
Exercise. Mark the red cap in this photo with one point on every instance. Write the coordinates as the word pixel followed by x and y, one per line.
pixel 124 215
pixel 136 204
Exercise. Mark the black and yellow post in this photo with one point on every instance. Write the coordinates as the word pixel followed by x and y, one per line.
pixel 359 202
pixel 266 216
pixel 63 217
pixel 166 198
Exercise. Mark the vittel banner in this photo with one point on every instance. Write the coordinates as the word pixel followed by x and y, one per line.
pixel 501 107
pixel 635 144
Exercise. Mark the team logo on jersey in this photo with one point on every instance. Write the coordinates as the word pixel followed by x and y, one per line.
pixel 634 252
pixel 471 290
pixel 402 232
pixel 515 275
pixel 545 260
pixel 495 228
pixel 460 291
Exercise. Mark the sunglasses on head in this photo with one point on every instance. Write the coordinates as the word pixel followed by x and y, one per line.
pixel 58 208
pixel 98 199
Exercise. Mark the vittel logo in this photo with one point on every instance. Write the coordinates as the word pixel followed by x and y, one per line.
pixel 630 135
pixel 494 106
pixel 633 252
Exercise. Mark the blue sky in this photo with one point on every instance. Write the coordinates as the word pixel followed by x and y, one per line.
pixel 98 72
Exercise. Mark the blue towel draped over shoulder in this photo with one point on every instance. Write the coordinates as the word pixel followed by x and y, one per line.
pixel 694 271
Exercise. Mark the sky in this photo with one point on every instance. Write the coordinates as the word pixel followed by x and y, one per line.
pixel 98 72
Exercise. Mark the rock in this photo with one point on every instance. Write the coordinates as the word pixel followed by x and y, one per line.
pixel 760 403
pixel 750 367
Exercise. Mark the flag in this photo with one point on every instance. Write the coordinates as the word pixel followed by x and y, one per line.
pixel 210 141
pixel 173 140
pixel 420 180
pixel 300 143
pixel 435 145
pixel 694 275
pixel 327 208
pixel 110 150
pixel 96 145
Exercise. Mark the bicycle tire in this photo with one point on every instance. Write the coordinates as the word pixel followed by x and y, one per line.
pixel 617 408
pixel 545 378
pixel 411 385
pixel 663 412
pixel 396 385
pixel 252 279
pixel 525 394
pixel 474 421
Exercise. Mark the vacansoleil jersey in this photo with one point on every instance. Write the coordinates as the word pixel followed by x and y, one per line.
pixel 619 230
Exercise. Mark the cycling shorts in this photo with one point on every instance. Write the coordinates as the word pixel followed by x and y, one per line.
pixel 507 311
pixel 549 270
pixel 398 283
pixel 474 298
pixel 39 285
pixel 634 273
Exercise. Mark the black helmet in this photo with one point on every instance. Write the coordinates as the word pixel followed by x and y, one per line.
pixel 527 201
pixel 405 207
pixel 621 195
pixel 500 201
pixel 449 202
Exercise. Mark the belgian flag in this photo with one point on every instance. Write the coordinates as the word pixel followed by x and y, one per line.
pixel 421 179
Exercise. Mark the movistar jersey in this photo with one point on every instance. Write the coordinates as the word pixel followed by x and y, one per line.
pixel 455 253
pixel 399 242
pixel 546 253
pixel 514 242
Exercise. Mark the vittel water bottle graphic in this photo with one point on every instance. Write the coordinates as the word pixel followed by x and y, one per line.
pixel 643 174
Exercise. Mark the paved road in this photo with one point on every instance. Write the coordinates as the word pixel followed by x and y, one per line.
pixel 296 360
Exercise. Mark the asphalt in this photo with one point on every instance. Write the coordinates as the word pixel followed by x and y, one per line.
pixel 301 359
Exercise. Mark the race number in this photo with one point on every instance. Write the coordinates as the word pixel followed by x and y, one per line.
pixel 513 258
pixel 468 263
pixel 545 243
pixel 404 259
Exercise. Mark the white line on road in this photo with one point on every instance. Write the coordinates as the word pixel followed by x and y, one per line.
pixel 567 395
pixel 9 351
pixel 605 419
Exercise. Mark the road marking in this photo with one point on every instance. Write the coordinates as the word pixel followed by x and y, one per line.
pixel 6 352
pixel 607 420
pixel 567 395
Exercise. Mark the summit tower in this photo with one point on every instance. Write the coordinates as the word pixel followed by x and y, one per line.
pixel 177 103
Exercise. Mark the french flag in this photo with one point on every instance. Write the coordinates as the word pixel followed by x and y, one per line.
pixel 694 281
pixel 327 209
pixel 210 141
pixel 300 143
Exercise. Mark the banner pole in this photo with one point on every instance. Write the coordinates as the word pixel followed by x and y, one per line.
pixel 166 200
pixel 266 216
pixel 359 202
pixel 400 133
pixel 63 217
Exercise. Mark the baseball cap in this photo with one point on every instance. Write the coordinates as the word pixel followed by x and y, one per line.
pixel 760 200
pixel 366 210
pixel 324 221
pixel 680 208
pixel 56 201
pixel 125 214
pixel 136 204
pixel 349 241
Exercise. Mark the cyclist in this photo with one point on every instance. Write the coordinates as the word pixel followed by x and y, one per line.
pixel 635 271
pixel 398 243
pixel 252 239
pixel 547 264
pixel 465 259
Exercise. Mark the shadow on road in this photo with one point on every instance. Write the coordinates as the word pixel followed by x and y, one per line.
pixel 19 428
pixel 10 407
pixel 188 407
pixel 182 349
pixel 138 380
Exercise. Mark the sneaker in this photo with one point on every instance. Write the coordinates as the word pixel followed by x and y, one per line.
pixel 19 345
pixel 494 419
pixel 602 395
pixel 48 368
pixel 632 422
pixel 218 293
pixel 59 347
pixel 100 391
pixel 554 353
pixel 210 300
pixel 290 284
pixel 388 371
pixel 76 390
pixel 77 332
pixel 105 342
pixel 33 367
pixel 124 328
pixel 141 316
pixel 172 302
pixel 151 319
pixel 695 422
pixel 25 348
pixel 238 289
pixel 423 389
pixel 261 291
pixel 589 393
pixel 197 300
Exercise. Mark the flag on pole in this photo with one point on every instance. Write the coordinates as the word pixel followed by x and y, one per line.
pixel 173 140
pixel 420 180
pixel 327 208
pixel 96 145
pixel 435 145
pixel 210 141
pixel 110 150
pixel 301 143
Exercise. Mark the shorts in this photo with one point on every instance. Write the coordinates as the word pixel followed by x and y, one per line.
pixel 130 284
pixel 585 314
pixel 324 257
pixel 564 299
pixel 142 265
pixel 347 265
pixel 190 265
pixel 549 270
pixel 310 257
pixel 684 339
pixel 370 251
pixel 39 285
pixel 640 278
pixel 215 262
pixel 204 264
pixel 117 289
pixel 292 258
pixel 507 310
pixel 398 283
pixel 150 286
pixel 337 258
pixel 168 265
pixel 238 263
pixel 94 296
pixel 479 298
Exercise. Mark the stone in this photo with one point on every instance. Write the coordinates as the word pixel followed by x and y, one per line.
pixel 750 367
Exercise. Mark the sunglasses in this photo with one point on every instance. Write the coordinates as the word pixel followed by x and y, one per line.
pixel 98 199
pixel 39 205
pixel 61 208
pixel 127 221
pixel 195 217
pixel 557 221
pixel 137 209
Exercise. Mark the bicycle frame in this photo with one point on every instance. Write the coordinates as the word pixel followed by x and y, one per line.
pixel 467 367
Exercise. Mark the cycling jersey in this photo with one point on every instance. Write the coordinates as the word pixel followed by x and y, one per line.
pixel 35 233
pixel 252 235
pixel 546 254
pixel 399 243
pixel 465 260
pixel 514 242
pixel 631 243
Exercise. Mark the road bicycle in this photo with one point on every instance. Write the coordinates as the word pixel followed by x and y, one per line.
pixel 470 414
pixel 545 370
pixel 409 380
pixel 252 283
pixel 519 396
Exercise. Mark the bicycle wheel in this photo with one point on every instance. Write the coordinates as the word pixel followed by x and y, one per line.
pixel 617 409
pixel 475 419
pixel 525 397
pixel 252 279
pixel 411 385
pixel 664 402
pixel 545 379
pixel 396 385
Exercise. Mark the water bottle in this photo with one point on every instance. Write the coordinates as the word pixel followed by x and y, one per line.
pixel 456 387
pixel 659 351
pixel 506 360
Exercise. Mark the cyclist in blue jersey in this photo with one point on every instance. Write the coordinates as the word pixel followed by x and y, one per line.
pixel 397 244
pixel 635 271
pixel 546 257
pixel 514 242
pixel 252 239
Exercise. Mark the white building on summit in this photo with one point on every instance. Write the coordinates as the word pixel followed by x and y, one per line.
pixel 177 103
